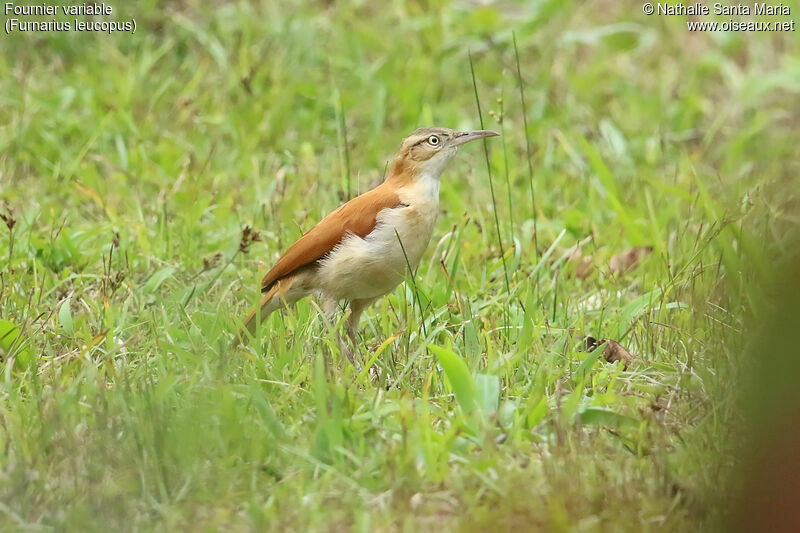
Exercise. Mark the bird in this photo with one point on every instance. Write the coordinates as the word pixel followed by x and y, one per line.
pixel 362 250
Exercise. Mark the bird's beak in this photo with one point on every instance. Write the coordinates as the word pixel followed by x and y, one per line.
pixel 467 136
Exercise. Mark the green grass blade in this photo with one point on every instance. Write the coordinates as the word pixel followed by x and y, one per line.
pixel 459 377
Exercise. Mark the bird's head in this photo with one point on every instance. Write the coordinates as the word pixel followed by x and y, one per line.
pixel 427 150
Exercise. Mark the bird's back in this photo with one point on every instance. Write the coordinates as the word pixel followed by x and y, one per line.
pixel 357 216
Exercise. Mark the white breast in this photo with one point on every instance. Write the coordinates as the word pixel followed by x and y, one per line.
pixel 373 266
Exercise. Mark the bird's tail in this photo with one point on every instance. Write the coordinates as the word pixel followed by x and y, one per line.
pixel 279 295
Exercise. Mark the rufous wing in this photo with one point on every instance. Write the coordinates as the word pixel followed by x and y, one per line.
pixel 358 216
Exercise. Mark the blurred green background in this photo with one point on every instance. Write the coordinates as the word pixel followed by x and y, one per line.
pixel 130 165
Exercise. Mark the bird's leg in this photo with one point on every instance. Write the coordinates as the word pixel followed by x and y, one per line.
pixel 357 307
pixel 348 352
pixel 329 308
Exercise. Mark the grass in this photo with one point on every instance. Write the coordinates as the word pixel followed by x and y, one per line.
pixel 133 163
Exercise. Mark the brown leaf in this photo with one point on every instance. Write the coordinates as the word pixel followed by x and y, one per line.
pixel 625 261
pixel 583 263
pixel 620 263
pixel 612 352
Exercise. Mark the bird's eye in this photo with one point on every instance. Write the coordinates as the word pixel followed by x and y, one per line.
pixel 433 140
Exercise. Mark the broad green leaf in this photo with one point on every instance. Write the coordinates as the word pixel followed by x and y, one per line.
pixel 506 412
pixel 526 335
pixel 472 345
pixel 605 417
pixel 157 279
pixel 488 389
pixel 65 316
pixel 10 342
pixel 459 377
pixel 8 334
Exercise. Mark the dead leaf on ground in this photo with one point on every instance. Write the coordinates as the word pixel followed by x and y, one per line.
pixel 583 263
pixel 625 261
pixel 612 352
pixel 619 264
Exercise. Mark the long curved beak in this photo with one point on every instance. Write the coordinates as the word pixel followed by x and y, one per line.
pixel 467 136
